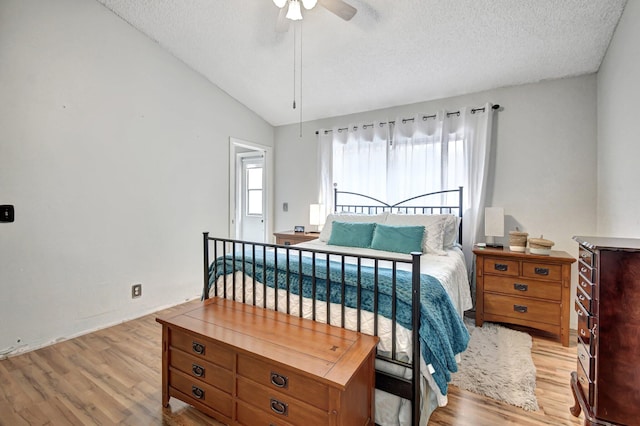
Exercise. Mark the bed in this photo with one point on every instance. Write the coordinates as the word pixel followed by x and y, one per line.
pixel 400 294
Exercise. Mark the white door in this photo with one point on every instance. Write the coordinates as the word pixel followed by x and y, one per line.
pixel 252 197
pixel 246 221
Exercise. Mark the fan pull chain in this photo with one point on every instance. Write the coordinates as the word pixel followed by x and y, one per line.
pixel 300 79
pixel 295 30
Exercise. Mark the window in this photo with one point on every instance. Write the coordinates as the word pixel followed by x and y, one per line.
pixel 254 191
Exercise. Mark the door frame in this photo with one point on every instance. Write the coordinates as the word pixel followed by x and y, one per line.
pixel 237 146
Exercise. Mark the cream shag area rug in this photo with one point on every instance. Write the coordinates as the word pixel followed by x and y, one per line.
pixel 498 364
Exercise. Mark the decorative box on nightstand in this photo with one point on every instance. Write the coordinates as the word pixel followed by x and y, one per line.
pixel 289 238
pixel 526 289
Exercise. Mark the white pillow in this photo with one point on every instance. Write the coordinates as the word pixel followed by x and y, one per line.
pixel 434 225
pixel 349 217
pixel 451 228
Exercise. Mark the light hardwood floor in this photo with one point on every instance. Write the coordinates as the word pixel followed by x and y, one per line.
pixel 113 376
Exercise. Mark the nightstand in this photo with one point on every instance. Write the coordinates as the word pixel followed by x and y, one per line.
pixel 526 289
pixel 289 238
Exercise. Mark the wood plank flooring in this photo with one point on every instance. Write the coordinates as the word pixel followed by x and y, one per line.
pixel 113 376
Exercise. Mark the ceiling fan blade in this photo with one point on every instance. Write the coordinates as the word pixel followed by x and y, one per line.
pixel 282 24
pixel 340 8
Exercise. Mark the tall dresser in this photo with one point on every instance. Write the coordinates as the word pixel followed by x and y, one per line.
pixel 606 383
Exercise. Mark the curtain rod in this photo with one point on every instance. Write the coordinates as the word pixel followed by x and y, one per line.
pixel 405 120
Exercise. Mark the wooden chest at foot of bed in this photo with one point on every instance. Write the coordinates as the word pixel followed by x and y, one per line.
pixel 526 289
pixel 245 365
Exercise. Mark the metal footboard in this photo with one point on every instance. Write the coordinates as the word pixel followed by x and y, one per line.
pixel 244 252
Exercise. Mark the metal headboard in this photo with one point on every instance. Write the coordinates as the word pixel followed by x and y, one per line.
pixel 430 203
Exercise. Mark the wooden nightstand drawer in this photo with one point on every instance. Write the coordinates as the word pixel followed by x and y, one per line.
pixel 522 308
pixel 289 238
pixel 280 405
pixel 542 271
pixel 501 266
pixel 519 287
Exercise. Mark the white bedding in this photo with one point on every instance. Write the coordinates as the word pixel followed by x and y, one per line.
pixel 449 269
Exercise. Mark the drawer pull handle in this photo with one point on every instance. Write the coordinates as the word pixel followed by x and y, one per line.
pixel 541 271
pixel 579 312
pixel 585 255
pixel 501 267
pixel 197 370
pixel 582 357
pixel 583 332
pixel 279 407
pixel 197 392
pixel 581 297
pixel 279 380
pixel 583 381
pixel 583 284
pixel 197 348
pixel 583 269
pixel 520 308
pixel 520 287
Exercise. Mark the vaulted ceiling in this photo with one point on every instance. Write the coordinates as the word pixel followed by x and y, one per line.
pixel 390 53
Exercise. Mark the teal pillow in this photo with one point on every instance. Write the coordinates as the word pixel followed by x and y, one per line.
pixel 351 234
pixel 399 239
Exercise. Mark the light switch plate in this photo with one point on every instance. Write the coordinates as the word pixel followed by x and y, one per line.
pixel 7 213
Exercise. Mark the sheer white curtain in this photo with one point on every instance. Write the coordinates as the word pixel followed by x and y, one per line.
pixel 444 152
pixel 427 154
pixel 355 159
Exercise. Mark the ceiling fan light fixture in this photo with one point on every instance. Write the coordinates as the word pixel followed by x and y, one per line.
pixel 294 13
pixel 280 3
pixel 309 4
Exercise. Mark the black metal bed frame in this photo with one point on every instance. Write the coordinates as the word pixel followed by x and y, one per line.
pixel 399 386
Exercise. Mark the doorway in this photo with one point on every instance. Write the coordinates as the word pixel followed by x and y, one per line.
pixel 250 191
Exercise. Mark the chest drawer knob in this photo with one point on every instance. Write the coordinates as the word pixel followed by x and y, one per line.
pixel 520 287
pixel 520 308
pixel 279 407
pixel 197 348
pixel 501 267
pixel 541 271
pixel 197 392
pixel 197 370
pixel 279 380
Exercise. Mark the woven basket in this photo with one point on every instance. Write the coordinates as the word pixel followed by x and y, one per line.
pixel 518 240
pixel 540 243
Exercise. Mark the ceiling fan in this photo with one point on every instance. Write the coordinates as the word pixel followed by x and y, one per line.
pixel 290 10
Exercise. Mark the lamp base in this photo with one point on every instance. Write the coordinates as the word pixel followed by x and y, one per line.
pixel 495 245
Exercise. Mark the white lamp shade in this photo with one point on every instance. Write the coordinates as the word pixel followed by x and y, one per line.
pixel 280 3
pixel 309 4
pixel 316 214
pixel 494 222
pixel 294 12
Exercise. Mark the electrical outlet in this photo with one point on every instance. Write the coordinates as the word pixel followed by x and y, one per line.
pixel 136 290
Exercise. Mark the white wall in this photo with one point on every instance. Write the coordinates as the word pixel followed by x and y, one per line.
pixel 619 130
pixel 544 158
pixel 115 156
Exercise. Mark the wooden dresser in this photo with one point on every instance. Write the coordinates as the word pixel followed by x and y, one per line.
pixel 249 366
pixel 526 289
pixel 606 383
pixel 289 238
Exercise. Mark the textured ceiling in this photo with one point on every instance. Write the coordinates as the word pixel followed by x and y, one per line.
pixel 391 53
